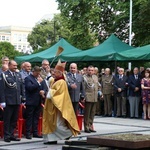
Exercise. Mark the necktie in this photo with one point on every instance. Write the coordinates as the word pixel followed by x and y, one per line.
pixel 14 75
pixel 74 76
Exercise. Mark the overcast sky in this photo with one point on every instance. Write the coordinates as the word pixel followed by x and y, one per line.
pixel 25 12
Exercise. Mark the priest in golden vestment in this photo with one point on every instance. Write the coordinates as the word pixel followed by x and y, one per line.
pixel 59 119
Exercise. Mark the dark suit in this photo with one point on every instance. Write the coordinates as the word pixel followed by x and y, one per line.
pixel 33 104
pixel 75 93
pixel 121 96
pixel 11 89
pixel 134 96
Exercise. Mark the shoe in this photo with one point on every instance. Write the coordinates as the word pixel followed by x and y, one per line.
pixel 91 130
pixel 28 137
pixel 109 115
pixel 118 116
pixel 68 137
pixel 124 116
pixel 105 115
pixel 14 139
pixel 50 142
pixel 7 140
pixel 37 136
pixel 87 131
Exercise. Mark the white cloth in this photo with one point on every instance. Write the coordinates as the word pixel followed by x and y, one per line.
pixel 136 76
pixel 62 131
pixel 3 104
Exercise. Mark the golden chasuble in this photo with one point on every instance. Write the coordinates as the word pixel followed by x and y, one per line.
pixel 60 101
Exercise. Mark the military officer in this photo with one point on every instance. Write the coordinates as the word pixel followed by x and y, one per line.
pixel 107 90
pixel 75 86
pixel 12 90
pixel 91 95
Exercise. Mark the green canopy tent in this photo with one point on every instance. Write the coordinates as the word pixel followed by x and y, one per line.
pixel 104 52
pixel 49 53
pixel 139 53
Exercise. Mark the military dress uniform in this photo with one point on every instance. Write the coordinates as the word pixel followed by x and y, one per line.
pixel 91 95
pixel 12 91
pixel 107 90
pixel 77 92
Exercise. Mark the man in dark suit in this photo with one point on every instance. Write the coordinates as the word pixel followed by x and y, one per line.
pixel 134 82
pixel 120 86
pixel 34 94
pixel 11 88
pixel 75 86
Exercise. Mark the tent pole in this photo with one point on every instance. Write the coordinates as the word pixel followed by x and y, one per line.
pixel 115 67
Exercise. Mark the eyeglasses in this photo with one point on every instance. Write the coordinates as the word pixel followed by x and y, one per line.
pixel 120 70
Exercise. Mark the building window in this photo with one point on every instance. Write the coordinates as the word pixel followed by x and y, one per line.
pixel 15 47
pixel 24 46
pixel 19 38
pixel 19 47
pixel 15 38
pixel 3 38
pixel 7 38
pixel 24 38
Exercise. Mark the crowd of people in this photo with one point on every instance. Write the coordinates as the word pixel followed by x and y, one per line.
pixel 57 95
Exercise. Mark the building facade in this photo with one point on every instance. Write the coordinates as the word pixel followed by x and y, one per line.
pixel 17 36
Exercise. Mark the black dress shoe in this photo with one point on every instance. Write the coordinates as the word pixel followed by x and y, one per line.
pixel 105 115
pixel 91 130
pixel 37 136
pixel 51 142
pixel 7 140
pixel 28 137
pixel 14 139
pixel 87 131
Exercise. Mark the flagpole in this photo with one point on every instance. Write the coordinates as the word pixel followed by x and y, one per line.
pixel 130 31
pixel 130 24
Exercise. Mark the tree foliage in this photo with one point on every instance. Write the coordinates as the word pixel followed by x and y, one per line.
pixel 7 49
pixel 80 14
pixel 141 22
pixel 48 32
pixel 89 20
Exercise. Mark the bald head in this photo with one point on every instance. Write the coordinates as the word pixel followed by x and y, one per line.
pixel 27 66
pixel 73 67
pixel 107 71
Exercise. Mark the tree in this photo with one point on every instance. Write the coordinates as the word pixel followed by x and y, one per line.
pixel 141 22
pixel 40 34
pixel 7 49
pixel 48 32
pixel 89 20
pixel 80 16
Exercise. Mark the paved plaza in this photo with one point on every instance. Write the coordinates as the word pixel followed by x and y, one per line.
pixel 103 126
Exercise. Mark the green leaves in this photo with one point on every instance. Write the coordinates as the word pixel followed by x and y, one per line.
pixel 7 49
